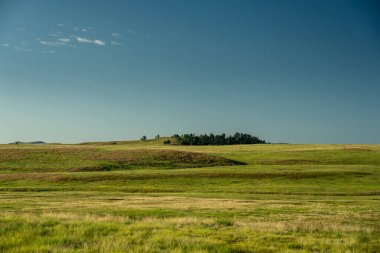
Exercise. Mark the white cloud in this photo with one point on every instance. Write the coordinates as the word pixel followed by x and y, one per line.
pixel 55 34
pixel 56 43
pixel 99 42
pixel 64 40
pixel 48 43
pixel 115 43
pixel 60 38
pixel 89 41
pixel 83 40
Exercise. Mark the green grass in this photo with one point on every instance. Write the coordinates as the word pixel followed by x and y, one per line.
pixel 149 197
pixel 88 158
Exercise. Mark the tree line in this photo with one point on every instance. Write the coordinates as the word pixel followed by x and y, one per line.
pixel 222 139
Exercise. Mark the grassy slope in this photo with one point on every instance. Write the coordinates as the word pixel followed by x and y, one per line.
pixel 288 198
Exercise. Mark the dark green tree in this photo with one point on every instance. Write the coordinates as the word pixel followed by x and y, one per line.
pixel 237 138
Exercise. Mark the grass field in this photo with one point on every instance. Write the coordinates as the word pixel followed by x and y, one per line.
pixel 149 197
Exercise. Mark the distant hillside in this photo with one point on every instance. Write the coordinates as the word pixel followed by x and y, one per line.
pixel 187 139
pixel 32 142
pixel 156 141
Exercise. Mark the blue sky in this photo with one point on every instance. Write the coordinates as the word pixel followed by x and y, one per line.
pixel 295 71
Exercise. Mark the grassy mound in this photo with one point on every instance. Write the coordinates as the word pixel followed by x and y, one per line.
pixel 92 159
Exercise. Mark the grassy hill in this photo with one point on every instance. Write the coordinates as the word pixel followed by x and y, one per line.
pixel 150 197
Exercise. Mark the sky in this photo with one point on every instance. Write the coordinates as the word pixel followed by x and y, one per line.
pixel 299 71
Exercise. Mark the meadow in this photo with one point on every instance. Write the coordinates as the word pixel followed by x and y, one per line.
pixel 150 197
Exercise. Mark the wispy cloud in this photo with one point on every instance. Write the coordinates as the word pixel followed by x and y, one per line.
pixel 62 35
pixel 48 51
pixel 48 43
pixel 116 35
pixel 56 34
pixel 89 41
pixel 115 43
pixel 22 46
pixel 64 40
pixel 23 49
pixel 56 43
pixel 132 31
pixel 99 42
pixel 83 40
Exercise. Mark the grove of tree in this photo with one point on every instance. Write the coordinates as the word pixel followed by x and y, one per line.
pixel 222 139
